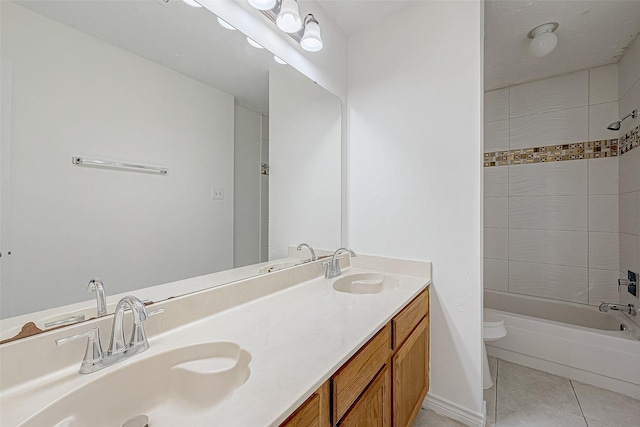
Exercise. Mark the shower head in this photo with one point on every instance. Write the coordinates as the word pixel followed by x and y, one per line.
pixel 616 125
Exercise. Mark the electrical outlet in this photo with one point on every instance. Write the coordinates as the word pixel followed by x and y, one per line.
pixel 217 193
pixel 633 277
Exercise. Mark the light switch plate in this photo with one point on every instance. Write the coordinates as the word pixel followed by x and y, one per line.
pixel 217 193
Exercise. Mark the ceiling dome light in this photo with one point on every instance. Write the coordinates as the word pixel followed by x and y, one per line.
pixel 543 39
pixel 225 24
pixel 311 40
pixel 254 43
pixel 279 60
pixel 263 4
pixel 192 3
pixel 288 19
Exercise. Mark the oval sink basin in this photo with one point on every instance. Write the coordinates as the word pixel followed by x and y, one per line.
pixel 277 266
pixel 177 387
pixel 365 283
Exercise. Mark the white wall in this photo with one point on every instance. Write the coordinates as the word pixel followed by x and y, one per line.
pixel 74 95
pixel 415 136
pixel 629 93
pixel 246 184
pixel 304 152
pixel 264 192
pixel 551 229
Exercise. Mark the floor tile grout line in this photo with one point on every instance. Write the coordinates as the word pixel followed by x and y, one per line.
pixel 579 405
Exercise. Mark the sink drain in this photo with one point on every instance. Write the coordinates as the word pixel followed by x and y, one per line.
pixel 137 421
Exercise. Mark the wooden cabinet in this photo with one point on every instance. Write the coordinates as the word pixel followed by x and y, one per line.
pixel 383 384
pixel 314 412
pixel 372 409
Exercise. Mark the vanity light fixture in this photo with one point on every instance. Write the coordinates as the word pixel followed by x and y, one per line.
pixel 254 43
pixel 285 14
pixel 279 60
pixel 289 19
pixel 543 39
pixel 263 4
pixel 311 40
pixel 192 3
pixel 225 24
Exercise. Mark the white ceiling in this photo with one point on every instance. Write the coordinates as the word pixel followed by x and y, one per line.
pixel 591 33
pixel 183 38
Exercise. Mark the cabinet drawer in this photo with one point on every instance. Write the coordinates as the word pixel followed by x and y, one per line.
pixel 372 409
pixel 351 380
pixel 409 317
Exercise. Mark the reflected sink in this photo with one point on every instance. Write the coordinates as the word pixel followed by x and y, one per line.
pixel 277 266
pixel 178 387
pixel 365 283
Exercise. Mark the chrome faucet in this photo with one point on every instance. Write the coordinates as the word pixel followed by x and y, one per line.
pixel 95 285
pixel 629 308
pixel 313 253
pixel 119 350
pixel 333 266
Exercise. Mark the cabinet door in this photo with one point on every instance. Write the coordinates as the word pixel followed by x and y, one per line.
pixel 411 375
pixel 314 412
pixel 373 407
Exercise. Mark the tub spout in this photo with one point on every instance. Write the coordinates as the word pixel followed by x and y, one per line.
pixel 629 308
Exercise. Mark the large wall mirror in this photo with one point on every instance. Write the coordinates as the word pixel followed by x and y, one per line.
pixel 246 142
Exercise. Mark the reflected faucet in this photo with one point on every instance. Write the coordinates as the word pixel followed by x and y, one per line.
pixel 119 350
pixel 333 266
pixel 629 308
pixel 313 253
pixel 95 285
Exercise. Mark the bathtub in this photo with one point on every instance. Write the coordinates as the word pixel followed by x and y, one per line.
pixel 571 340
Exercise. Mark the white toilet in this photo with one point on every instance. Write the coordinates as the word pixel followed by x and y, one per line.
pixel 492 329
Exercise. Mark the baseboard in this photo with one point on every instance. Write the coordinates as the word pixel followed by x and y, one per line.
pixel 454 411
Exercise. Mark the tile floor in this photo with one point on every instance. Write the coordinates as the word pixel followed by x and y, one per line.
pixel 525 397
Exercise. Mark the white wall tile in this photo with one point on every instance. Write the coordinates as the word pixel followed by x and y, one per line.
pixel 496 212
pixel 628 68
pixel 496 182
pixel 496 136
pixel 603 251
pixel 629 213
pixel 496 274
pixel 629 174
pixel 603 175
pixel 496 105
pixel 557 127
pixel 603 213
pixel 555 93
pixel 629 255
pixel 549 247
pixel 603 286
pixel 548 212
pixel 264 210
pixel 629 102
pixel 603 84
pixel 601 116
pixel 496 241
pixel 264 254
pixel 638 213
pixel 549 281
pixel 548 179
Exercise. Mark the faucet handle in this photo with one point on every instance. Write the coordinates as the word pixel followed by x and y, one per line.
pixel 138 335
pixel 93 353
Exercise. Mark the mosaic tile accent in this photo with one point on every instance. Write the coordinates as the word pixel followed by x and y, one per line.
pixel 553 153
pixel 630 140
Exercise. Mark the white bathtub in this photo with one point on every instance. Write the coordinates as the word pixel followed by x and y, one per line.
pixel 566 339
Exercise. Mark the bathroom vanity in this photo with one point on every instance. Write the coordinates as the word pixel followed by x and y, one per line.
pixel 286 348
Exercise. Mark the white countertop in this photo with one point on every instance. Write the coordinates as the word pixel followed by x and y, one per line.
pixel 297 337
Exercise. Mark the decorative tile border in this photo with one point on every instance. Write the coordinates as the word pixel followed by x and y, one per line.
pixel 565 152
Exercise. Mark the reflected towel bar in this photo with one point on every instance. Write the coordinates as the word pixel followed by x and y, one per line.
pixel 83 161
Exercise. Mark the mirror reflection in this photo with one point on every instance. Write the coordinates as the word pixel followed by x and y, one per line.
pixel 155 84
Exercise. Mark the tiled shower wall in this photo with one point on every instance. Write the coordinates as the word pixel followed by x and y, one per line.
pixel 551 227
pixel 629 182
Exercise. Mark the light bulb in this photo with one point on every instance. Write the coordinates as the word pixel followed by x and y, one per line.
pixel 279 60
pixel 225 24
pixel 254 43
pixel 263 4
pixel 288 19
pixel 192 3
pixel 543 44
pixel 311 40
